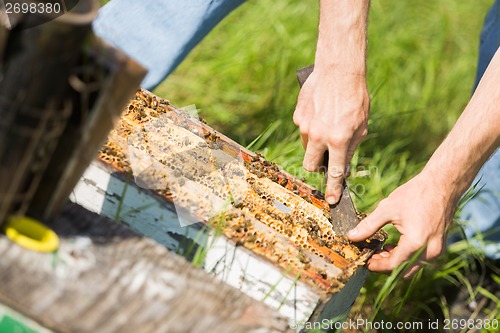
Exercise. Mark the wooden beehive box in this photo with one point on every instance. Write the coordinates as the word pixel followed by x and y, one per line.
pixel 171 177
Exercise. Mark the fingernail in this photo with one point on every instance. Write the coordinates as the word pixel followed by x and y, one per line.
pixel 352 233
pixel 384 254
pixel 331 200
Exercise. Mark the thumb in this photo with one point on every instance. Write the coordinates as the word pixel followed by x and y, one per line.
pixel 370 225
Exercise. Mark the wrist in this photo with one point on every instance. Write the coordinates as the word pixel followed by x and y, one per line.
pixel 342 57
pixel 443 180
pixel 342 37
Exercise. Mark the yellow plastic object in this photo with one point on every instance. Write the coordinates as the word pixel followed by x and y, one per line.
pixel 31 234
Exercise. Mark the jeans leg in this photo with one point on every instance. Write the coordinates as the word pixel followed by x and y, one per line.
pixel 489 40
pixel 159 34
pixel 482 212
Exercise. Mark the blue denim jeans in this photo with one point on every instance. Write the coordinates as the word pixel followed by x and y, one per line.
pixel 482 213
pixel 160 33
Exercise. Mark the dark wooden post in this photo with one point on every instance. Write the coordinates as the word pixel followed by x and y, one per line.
pixel 38 59
pixel 102 86
pixel 61 91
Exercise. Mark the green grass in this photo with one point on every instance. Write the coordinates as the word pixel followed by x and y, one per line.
pixel 421 65
pixel 421 68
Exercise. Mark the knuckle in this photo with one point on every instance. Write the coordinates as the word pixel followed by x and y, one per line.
pixel 433 254
pixel 393 263
pixel 363 225
pixel 304 130
pixel 417 244
pixel 336 172
pixel 434 250
pixel 338 139
pixel 384 203
pixel 297 117
pixel 315 137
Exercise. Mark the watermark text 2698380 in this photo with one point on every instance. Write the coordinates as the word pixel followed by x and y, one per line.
pixel 34 7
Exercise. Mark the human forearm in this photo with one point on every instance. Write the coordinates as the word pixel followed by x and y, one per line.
pixel 342 35
pixel 472 140
pixel 423 208
pixel 333 104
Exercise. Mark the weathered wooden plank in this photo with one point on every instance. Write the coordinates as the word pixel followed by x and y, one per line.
pixel 105 278
pixel 275 241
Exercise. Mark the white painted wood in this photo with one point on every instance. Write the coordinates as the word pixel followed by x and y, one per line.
pixel 260 279
pixel 101 192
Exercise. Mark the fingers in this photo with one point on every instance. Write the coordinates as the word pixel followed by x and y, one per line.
pixel 341 151
pixel 384 252
pixel 420 220
pixel 358 136
pixel 305 139
pixel 336 173
pixel 388 259
pixel 432 250
pixel 412 270
pixel 371 224
pixel 435 247
pixel 321 107
pixel 314 155
pixel 391 257
pixel 303 126
pixel 302 121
